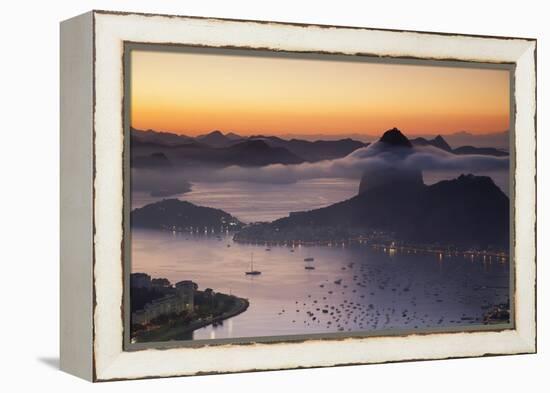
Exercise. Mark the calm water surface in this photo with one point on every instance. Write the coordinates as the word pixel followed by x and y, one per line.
pixel 251 201
pixel 378 290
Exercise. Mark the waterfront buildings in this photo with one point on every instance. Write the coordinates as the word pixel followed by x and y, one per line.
pixel 181 297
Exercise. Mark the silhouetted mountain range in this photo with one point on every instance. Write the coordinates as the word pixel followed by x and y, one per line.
pixel 442 144
pixel 217 139
pixel 258 153
pixel 438 142
pixel 242 153
pixel 159 138
pixel 173 214
pixel 487 151
pixel 498 140
pixel 316 150
pixel 217 149
pixel 468 211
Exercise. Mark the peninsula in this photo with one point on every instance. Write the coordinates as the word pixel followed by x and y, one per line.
pixel 163 312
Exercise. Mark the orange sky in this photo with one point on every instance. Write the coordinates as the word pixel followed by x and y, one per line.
pixel 194 93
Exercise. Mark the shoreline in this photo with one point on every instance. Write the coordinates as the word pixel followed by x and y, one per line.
pixel 167 332
pixel 435 249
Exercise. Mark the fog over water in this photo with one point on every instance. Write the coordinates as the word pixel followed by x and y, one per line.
pixel 436 164
pixel 376 155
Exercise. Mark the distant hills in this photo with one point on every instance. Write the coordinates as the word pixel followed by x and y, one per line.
pixel 241 153
pixel 442 144
pixel 498 140
pixel 151 149
pixel 218 139
pixel 488 151
pixel 173 214
pixel 252 152
pixel 218 149
pixel 313 151
pixel 438 142
pixel 158 138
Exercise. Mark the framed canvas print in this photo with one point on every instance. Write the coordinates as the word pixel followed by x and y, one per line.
pixel 247 195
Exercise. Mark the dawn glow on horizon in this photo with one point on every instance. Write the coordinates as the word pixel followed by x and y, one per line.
pixel 195 93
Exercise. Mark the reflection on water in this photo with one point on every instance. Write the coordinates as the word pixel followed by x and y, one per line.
pixel 352 288
pixel 251 202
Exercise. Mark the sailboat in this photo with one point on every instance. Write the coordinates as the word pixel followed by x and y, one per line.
pixel 252 272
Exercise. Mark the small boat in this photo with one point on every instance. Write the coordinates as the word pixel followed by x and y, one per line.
pixel 252 272
pixel 268 249
pixel 291 250
pixel 338 282
pixel 309 267
pixel 309 259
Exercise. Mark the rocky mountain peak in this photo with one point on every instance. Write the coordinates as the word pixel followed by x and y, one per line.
pixel 395 137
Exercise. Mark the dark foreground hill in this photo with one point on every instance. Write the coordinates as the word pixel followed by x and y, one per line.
pixel 173 214
pixel 470 211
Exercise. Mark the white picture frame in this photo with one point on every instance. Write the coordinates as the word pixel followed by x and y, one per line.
pixel 92 151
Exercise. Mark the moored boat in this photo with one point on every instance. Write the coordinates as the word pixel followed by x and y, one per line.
pixel 252 272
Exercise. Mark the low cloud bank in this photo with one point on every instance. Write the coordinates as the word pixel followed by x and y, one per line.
pixel 424 158
pixel 377 156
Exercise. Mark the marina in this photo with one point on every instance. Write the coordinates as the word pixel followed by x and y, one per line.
pixel 356 288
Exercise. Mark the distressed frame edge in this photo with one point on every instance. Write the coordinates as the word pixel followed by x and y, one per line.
pixel 527 340
pixel 129 46
pixel 526 201
pixel 76 196
pixel 304 24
